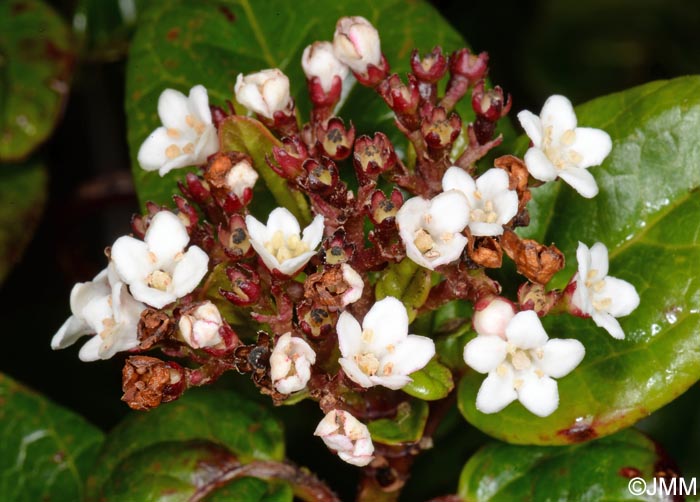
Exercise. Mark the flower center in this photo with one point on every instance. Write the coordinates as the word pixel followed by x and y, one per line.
pixel 368 363
pixel 560 154
pixel 520 360
pixel 159 279
pixel 108 325
pixel 285 249
pixel 484 212
pixel 596 286
pixel 173 150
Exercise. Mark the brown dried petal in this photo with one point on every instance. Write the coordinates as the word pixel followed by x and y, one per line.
pixel 485 251
pixel 154 326
pixel 519 177
pixel 146 380
pixel 535 261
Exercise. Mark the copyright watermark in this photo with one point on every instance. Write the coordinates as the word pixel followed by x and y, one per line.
pixel 662 486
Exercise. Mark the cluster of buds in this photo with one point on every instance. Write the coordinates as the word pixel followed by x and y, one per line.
pixel 295 301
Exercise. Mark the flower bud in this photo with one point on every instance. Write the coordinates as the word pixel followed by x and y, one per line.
pixel 348 436
pixel 320 62
pixel 200 324
pixel 335 140
pixel 492 315
pixel 290 363
pixel 356 43
pixel 402 98
pixel 265 92
pixel 431 68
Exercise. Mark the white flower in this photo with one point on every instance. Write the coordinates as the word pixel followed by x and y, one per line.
pixel 431 229
pixel 602 297
pixel 491 203
pixel 290 363
pixel 320 61
pixel 355 285
pixel 356 43
pixel 523 366
pixel 560 149
pixel 200 327
pixel 264 92
pixel 157 269
pixel 105 307
pixel 241 177
pixel 492 317
pixel 348 436
pixel 187 136
pixel 381 352
pixel 279 244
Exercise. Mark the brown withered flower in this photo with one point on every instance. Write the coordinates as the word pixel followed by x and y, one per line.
pixel 154 326
pixel 147 382
pixel 535 261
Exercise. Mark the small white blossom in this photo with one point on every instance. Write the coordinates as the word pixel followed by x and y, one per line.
pixel 355 285
pixel 290 363
pixel 279 243
pixel 560 149
pixel 265 92
pixel 158 270
pixel 381 352
pixel 187 136
pixel 602 297
pixel 356 43
pixel 523 366
pixel 241 177
pixel 200 327
pixel 491 203
pixel 102 306
pixel 431 229
pixel 492 317
pixel 348 436
pixel 320 61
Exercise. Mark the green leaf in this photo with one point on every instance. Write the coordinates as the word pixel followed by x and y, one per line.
pixel 648 214
pixel 247 135
pixel 598 470
pixel 243 427
pixel 406 281
pixel 433 382
pixel 23 195
pixel 174 471
pixel 104 27
pixel 46 450
pixel 181 43
pixel 36 64
pixel 406 427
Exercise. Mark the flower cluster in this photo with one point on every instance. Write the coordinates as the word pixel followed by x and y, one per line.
pixel 318 301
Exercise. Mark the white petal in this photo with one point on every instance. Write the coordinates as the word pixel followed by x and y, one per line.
pixel 208 144
pixel 282 219
pixel 410 355
pixel 69 333
pixel 506 205
pixel 532 125
pixel 450 213
pixel 388 321
pixel 525 330
pixel 166 237
pixel 456 178
pixel 539 395
pixel 183 160
pixel 492 183
pixel 97 311
pixel 558 113
pixel 189 271
pixel 90 351
pixel 479 228
pixel 393 382
pixel 580 180
pixel 581 299
pixel 592 144
pixel 608 323
pixel 583 257
pixel 349 335
pixel 623 294
pixel 495 393
pixel 256 230
pixel 123 338
pixel 131 259
pixel 485 353
pixel 449 251
pixel 539 166
pixel 151 156
pixel 354 373
pixel 151 296
pixel 199 103
pixel 314 232
pixel 173 108
pixel 561 357
pixel 291 266
pixel 125 308
pixel 599 259
pixel 84 292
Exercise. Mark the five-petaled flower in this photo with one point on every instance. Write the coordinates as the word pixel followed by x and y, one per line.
pixel 319 61
pixel 102 306
pixel 356 43
pixel 522 366
pixel 187 136
pixel 279 244
pixel 598 295
pixel 265 92
pixel 200 326
pixel 431 229
pixel 158 270
pixel 348 436
pixel 491 203
pixel 381 352
pixel 290 363
pixel 560 149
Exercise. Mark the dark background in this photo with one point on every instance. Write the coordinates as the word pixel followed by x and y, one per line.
pixel 580 49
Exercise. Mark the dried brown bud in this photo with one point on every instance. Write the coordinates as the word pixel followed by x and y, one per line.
pixel 154 326
pixel 485 251
pixel 535 261
pixel 147 382
pixel 519 177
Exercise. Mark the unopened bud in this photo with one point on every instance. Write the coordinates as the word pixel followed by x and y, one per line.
pixel 402 98
pixel 265 92
pixel 290 363
pixel 200 324
pixel 356 43
pixel 319 61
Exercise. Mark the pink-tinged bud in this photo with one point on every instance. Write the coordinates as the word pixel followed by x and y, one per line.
pixel 245 286
pixel 290 158
pixel 337 250
pixel 200 325
pixel 322 176
pixel 382 208
pixel 356 44
pixel 195 189
pixel 431 68
pixel 471 66
pixel 492 315
pixel 440 130
pixel 334 139
pixel 347 436
pixel 290 363
pixel 402 99
pixel 373 156
pixel 265 92
pixel 319 61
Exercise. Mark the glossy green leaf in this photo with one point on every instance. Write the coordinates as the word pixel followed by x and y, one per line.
pixel 45 451
pixel 598 470
pixel 23 195
pixel 433 382
pixel 648 214
pixel 406 281
pixel 104 27
pixel 36 63
pixel 406 427
pixel 247 135
pixel 175 471
pixel 181 43
pixel 243 427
